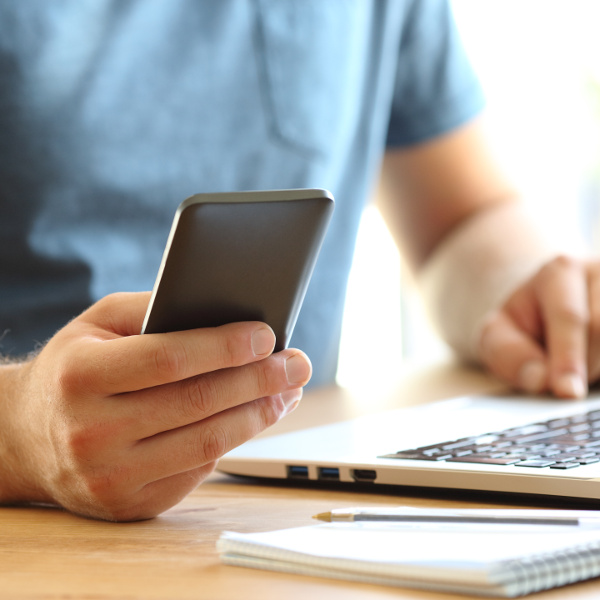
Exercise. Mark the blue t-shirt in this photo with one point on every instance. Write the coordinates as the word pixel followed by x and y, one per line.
pixel 112 113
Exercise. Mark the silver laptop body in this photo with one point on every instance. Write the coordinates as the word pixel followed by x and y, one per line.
pixel 429 446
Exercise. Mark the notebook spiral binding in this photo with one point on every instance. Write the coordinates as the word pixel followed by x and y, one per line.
pixel 545 571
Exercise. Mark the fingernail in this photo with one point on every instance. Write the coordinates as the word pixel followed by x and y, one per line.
pixel 263 341
pixel 291 399
pixel 570 385
pixel 297 369
pixel 533 376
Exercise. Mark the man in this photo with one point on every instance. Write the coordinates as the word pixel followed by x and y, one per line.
pixel 113 112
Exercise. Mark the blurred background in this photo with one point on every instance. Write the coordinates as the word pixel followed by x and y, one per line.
pixel 539 63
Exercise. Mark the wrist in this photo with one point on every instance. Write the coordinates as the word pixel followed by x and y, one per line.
pixel 17 466
pixel 475 268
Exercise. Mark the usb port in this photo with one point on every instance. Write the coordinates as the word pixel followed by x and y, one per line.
pixel 328 473
pixel 364 475
pixel 297 472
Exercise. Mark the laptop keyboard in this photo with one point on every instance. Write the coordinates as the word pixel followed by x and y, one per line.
pixel 564 443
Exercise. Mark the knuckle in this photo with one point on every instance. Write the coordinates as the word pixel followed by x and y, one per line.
pixel 263 377
pixel 562 262
pixel 553 268
pixel 268 377
pixel 269 411
pixel 72 377
pixel 69 380
pixel 82 442
pixel 79 445
pixel 234 346
pixel 214 443
pixel 201 397
pixel 168 360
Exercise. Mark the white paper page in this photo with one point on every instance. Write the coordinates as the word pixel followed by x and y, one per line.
pixel 452 551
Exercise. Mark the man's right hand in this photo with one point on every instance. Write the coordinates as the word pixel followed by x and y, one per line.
pixel 115 425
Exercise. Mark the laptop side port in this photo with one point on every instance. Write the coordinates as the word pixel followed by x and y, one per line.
pixel 297 472
pixel 328 473
pixel 363 475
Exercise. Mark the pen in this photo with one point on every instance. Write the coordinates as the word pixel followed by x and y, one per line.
pixel 412 515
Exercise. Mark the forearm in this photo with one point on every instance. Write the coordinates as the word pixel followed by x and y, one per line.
pixel 499 293
pixel 475 267
pixel 14 465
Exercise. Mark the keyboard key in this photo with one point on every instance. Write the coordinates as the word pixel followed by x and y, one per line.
pixel 462 452
pixel 543 435
pixel 525 430
pixel 415 455
pixel 580 418
pixel 583 455
pixel 432 451
pixel 579 428
pixel 563 457
pixel 565 465
pixel 484 460
pixel 536 463
pixel 458 444
pixel 562 443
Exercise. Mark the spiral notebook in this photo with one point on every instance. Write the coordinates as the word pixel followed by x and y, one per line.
pixel 497 560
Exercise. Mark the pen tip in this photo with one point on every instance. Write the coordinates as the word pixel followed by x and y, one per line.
pixel 323 516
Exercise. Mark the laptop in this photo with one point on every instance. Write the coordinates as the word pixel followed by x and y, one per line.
pixel 538 446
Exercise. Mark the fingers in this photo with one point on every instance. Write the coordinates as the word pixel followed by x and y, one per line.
pixel 123 412
pixel 110 356
pixel 538 341
pixel 176 405
pixel 171 480
pixel 593 283
pixel 513 355
pixel 564 304
pixel 201 443
pixel 157 472
pixel 104 464
pixel 106 367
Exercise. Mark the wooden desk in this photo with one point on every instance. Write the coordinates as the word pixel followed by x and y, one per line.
pixel 47 554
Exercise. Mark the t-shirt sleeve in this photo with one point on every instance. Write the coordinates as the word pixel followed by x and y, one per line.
pixel 436 88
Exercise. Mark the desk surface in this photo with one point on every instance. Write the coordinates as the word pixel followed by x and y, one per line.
pixel 46 554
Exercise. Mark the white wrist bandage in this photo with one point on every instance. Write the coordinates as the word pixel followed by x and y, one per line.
pixel 475 268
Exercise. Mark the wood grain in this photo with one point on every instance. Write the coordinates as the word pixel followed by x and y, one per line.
pixel 48 554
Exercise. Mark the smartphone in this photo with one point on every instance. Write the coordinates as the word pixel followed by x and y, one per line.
pixel 240 256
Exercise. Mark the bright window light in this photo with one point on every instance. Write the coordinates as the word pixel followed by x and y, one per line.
pixel 539 62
